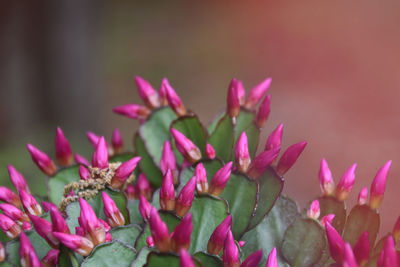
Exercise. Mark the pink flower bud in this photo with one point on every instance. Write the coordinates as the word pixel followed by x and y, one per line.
pixel 144 208
pixel 130 191
pixel 84 173
pixel 162 93
pixel 220 179
pixel 27 252
pixel 185 198
pixel 314 211
pixel 31 206
pixel 159 231
pixel 58 222
pixel 361 249
pixel 289 157
pixel 106 226
pixel 51 258
pixel 241 243
pixel 230 258
pixel 272 260
pixel 90 223
pixel 26 226
pixel 44 229
pixel 390 258
pixel 185 259
pixel 263 112
pixel 327 219
pixel 210 151
pixel 363 196
pixel 9 227
pixel 113 214
pixel 180 237
pixel 201 179
pixel 147 93
pixel 9 196
pixel 396 230
pixel 167 192
pixel 100 155
pixel 173 99
pixel 48 206
pixel 2 252
pixel 257 93
pixel 123 172
pixel 241 92
pixel 45 164
pixel 187 148
pixel 77 243
pixel 325 179
pixel 233 102
pixel 345 185
pixel 274 140
pixel 168 160
pixel 261 163
pixel 378 186
pixel 64 153
pixel 80 231
pixel 349 259
pixel 79 159
pixel 116 141
pixel 14 213
pixel 132 111
pixel 143 186
pixel 150 241
pixel 336 243
pixel 242 155
pixel 217 239
pixel 253 259
pixel 17 179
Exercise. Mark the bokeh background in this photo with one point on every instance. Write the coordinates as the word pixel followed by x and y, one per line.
pixel 335 68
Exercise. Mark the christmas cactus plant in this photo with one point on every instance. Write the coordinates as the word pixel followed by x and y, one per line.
pixel 189 195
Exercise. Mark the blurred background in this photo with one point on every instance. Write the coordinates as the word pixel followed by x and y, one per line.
pixel 335 67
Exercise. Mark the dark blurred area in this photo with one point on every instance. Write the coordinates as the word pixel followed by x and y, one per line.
pixel 335 68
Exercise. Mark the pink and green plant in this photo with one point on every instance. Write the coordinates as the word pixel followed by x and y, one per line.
pixel 189 195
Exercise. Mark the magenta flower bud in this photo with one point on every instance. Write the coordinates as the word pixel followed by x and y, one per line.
pixel 51 258
pixel 180 237
pixel 396 230
pixel 93 138
pixel 48 206
pixel 174 100
pixel 132 111
pixel 201 179
pixel 378 186
pixel 106 226
pixel 272 260
pixel 217 239
pixel 167 192
pixel 361 249
pixel 58 222
pixel 80 231
pixel 289 157
pixel 345 185
pixel 9 196
pixel 116 141
pixel 44 229
pixel 210 151
pixel 257 93
pixel 144 208
pixel 100 155
pixel 187 148
pixel 241 243
pixel 123 172
pixel 90 223
pixel 220 179
pixel 31 206
pixel 113 214
pixel 327 219
pixel 185 259
pixel 26 226
pixel 348 259
pixel 185 198
pixel 84 173
pixel 77 243
pixel 263 112
pixel 159 231
pixel 230 258
pixel 274 140
pixel 9 227
pixel 143 186
pixel 363 196
pixel 390 258
pixel 233 102
pixel 242 155
pixel 27 252
pixel 261 162
pixel 147 93
pixel 162 93
pixel 2 253
pixel 17 179
pixel 253 259
pixel 150 241
pixel 168 160
pixel 130 191
pixel 108 237
pixel 336 243
pixel 79 159
pixel 64 153
pixel 45 164
pixel 314 211
pixel 14 213
pixel 241 92
pixel 325 179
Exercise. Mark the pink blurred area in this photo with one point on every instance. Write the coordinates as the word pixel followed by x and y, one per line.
pixel 335 67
